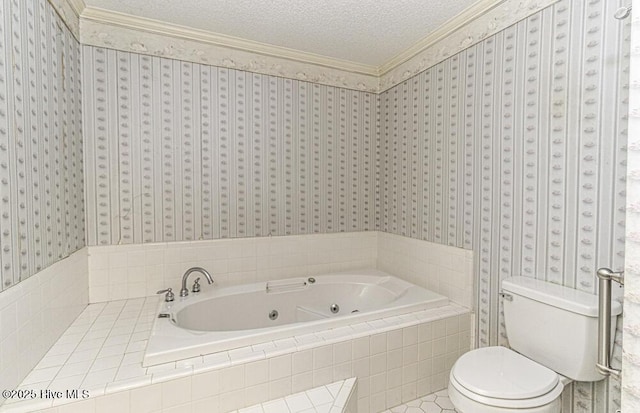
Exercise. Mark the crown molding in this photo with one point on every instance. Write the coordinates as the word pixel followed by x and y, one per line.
pixel 445 44
pixel 142 24
pixel 468 15
pixel 69 11
pixel 78 6
pixel 128 38
pixel 119 31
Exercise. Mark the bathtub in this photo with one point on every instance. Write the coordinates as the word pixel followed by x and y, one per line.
pixel 220 319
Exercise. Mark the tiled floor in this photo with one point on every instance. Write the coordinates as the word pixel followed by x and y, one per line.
pixel 324 399
pixel 433 403
pixel 331 398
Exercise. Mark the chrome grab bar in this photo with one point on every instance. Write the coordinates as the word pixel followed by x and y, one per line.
pixel 605 276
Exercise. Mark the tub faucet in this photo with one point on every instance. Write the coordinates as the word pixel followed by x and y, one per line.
pixel 184 291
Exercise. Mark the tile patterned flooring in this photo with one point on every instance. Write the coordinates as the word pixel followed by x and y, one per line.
pixel 433 403
pixel 320 400
pixel 331 398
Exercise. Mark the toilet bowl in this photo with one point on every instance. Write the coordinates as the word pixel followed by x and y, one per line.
pixel 499 380
pixel 552 330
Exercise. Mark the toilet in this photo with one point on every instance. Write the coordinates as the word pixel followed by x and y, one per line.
pixel 552 332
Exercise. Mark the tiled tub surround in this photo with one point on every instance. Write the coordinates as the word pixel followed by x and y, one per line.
pixel 36 312
pixel 439 268
pixel 227 318
pixel 129 271
pixel 395 360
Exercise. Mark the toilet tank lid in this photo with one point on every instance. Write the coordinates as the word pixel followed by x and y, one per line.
pixel 556 295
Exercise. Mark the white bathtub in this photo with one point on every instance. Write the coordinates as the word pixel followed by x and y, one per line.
pixel 220 319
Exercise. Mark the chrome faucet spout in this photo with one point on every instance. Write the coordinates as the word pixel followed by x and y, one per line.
pixel 184 291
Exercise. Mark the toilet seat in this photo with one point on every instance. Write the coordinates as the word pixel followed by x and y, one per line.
pixel 497 376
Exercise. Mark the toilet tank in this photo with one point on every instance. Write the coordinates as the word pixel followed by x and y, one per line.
pixel 555 326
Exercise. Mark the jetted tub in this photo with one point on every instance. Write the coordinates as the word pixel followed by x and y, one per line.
pixel 220 319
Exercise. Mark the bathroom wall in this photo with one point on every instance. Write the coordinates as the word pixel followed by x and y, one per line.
pixel 440 268
pixel 516 148
pixel 41 182
pixel 41 186
pixel 35 313
pixel 182 151
pixel 118 272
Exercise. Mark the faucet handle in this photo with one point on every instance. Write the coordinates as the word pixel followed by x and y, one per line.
pixel 196 286
pixel 169 296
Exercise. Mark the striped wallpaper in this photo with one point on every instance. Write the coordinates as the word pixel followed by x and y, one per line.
pixel 41 181
pixel 182 151
pixel 516 148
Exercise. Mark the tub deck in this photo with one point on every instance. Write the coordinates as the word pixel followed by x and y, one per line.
pixel 102 352
pixel 233 317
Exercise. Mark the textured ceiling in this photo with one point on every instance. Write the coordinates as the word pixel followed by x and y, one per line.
pixel 363 31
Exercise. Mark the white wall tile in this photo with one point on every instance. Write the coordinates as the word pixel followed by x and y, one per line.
pixel 378 343
pixel 280 367
pixel 322 357
pixel 232 378
pixel 116 402
pixel 342 352
pixel 302 381
pixel 85 406
pixel 302 361
pixel 430 265
pixel 146 399
pixel 256 394
pixel 280 388
pixel 176 392
pixel 22 345
pixel 257 372
pixel 168 261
